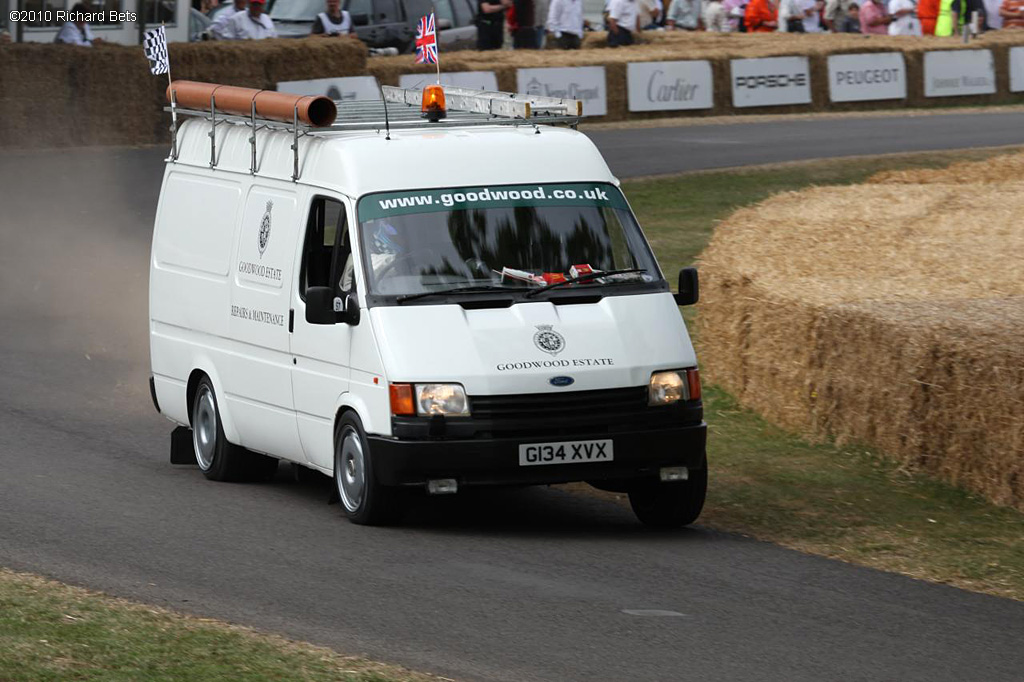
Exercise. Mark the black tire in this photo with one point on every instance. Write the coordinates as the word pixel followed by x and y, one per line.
pixel 218 459
pixel 670 505
pixel 363 500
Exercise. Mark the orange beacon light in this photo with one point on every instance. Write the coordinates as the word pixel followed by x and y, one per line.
pixel 433 106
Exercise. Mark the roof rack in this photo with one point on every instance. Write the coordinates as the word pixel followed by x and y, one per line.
pixel 399 110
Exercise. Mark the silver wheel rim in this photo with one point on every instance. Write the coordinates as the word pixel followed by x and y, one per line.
pixel 204 427
pixel 350 470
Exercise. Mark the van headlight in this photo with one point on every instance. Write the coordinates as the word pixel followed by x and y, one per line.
pixel 667 388
pixel 447 399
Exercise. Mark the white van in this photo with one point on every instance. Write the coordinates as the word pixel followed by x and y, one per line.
pixel 410 304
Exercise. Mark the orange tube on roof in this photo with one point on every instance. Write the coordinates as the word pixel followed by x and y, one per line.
pixel 316 111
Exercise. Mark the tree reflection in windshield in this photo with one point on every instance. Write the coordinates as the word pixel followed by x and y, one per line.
pixel 441 249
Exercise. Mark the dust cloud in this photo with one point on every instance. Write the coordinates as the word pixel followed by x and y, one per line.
pixel 75 232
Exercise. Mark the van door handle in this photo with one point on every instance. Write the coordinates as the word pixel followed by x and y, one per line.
pixel 291 320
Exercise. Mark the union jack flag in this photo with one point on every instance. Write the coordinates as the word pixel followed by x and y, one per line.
pixel 426 41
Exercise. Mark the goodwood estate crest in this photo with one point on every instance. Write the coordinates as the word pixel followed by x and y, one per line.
pixel 265 229
pixel 548 340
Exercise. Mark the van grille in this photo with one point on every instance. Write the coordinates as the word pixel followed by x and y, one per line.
pixel 565 414
pixel 556 405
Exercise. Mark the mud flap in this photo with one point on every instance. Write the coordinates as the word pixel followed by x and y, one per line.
pixel 182 451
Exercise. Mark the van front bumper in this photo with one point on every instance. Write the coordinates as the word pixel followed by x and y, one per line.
pixel 637 454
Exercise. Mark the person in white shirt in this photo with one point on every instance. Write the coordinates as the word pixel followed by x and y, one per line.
pixel 565 23
pixel 791 17
pixel 992 17
pixel 219 29
pixel 334 22
pixel 684 15
pixel 812 15
pixel 904 18
pixel 623 22
pixel 716 19
pixel 77 32
pixel 649 12
pixel 252 25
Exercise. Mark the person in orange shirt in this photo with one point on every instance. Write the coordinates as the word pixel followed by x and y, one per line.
pixel 762 16
pixel 928 13
pixel 1012 12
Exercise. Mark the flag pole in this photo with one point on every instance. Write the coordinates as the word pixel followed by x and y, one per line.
pixel 169 81
pixel 437 44
pixel 174 103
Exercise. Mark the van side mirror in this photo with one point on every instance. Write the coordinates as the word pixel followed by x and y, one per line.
pixel 323 306
pixel 320 305
pixel 689 287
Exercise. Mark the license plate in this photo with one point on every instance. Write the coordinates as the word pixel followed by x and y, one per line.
pixel 566 452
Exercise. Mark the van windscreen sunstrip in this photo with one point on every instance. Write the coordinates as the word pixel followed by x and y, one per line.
pixel 502 237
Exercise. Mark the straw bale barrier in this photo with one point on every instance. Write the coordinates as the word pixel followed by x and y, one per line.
pixel 1007 168
pixel 98 89
pixel 889 313
pixel 719 49
pixel 62 95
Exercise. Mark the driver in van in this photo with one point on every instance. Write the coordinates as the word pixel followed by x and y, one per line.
pixel 384 248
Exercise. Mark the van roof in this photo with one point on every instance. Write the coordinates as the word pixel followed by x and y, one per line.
pixel 363 161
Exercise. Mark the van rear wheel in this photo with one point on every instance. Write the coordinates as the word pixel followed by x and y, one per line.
pixel 363 499
pixel 670 505
pixel 218 459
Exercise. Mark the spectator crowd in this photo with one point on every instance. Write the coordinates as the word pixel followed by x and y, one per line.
pixel 534 24
pixel 880 17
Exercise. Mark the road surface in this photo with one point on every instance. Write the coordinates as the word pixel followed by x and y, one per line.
pixel 528 585
pixel 697 147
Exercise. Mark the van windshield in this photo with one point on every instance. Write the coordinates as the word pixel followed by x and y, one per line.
pixel 508 237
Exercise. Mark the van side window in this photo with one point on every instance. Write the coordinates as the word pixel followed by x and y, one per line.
pixel 326 249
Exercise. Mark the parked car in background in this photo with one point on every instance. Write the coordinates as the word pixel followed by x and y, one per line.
pixel 378 23
pixel 456 28
pixel 384 23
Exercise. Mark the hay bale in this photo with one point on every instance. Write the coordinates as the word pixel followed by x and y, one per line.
pixel 888 314
pixel 106 95
pixel 1004 169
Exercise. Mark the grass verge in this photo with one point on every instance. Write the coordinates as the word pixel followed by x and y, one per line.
pixel 846 503
pixel 51 631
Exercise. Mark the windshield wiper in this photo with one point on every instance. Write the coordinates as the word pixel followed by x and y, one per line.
pixel 458 290
pixel 584 278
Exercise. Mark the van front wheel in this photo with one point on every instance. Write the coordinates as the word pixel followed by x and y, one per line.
pixel 670 505
pixel 363 499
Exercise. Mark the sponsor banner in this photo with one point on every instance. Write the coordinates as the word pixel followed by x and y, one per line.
pixel 586 83
pixel 953 73
pixel 867 77
pixel 770 82
pixel 475 80
pixel 665 86
pixel 343 89
pixel 1017 69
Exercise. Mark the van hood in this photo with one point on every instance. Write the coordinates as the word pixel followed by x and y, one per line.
pixel 616 342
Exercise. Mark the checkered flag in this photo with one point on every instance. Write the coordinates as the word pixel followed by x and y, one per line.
pixel 154 43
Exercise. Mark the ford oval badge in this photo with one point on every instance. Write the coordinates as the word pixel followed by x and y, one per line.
pixel 561 381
